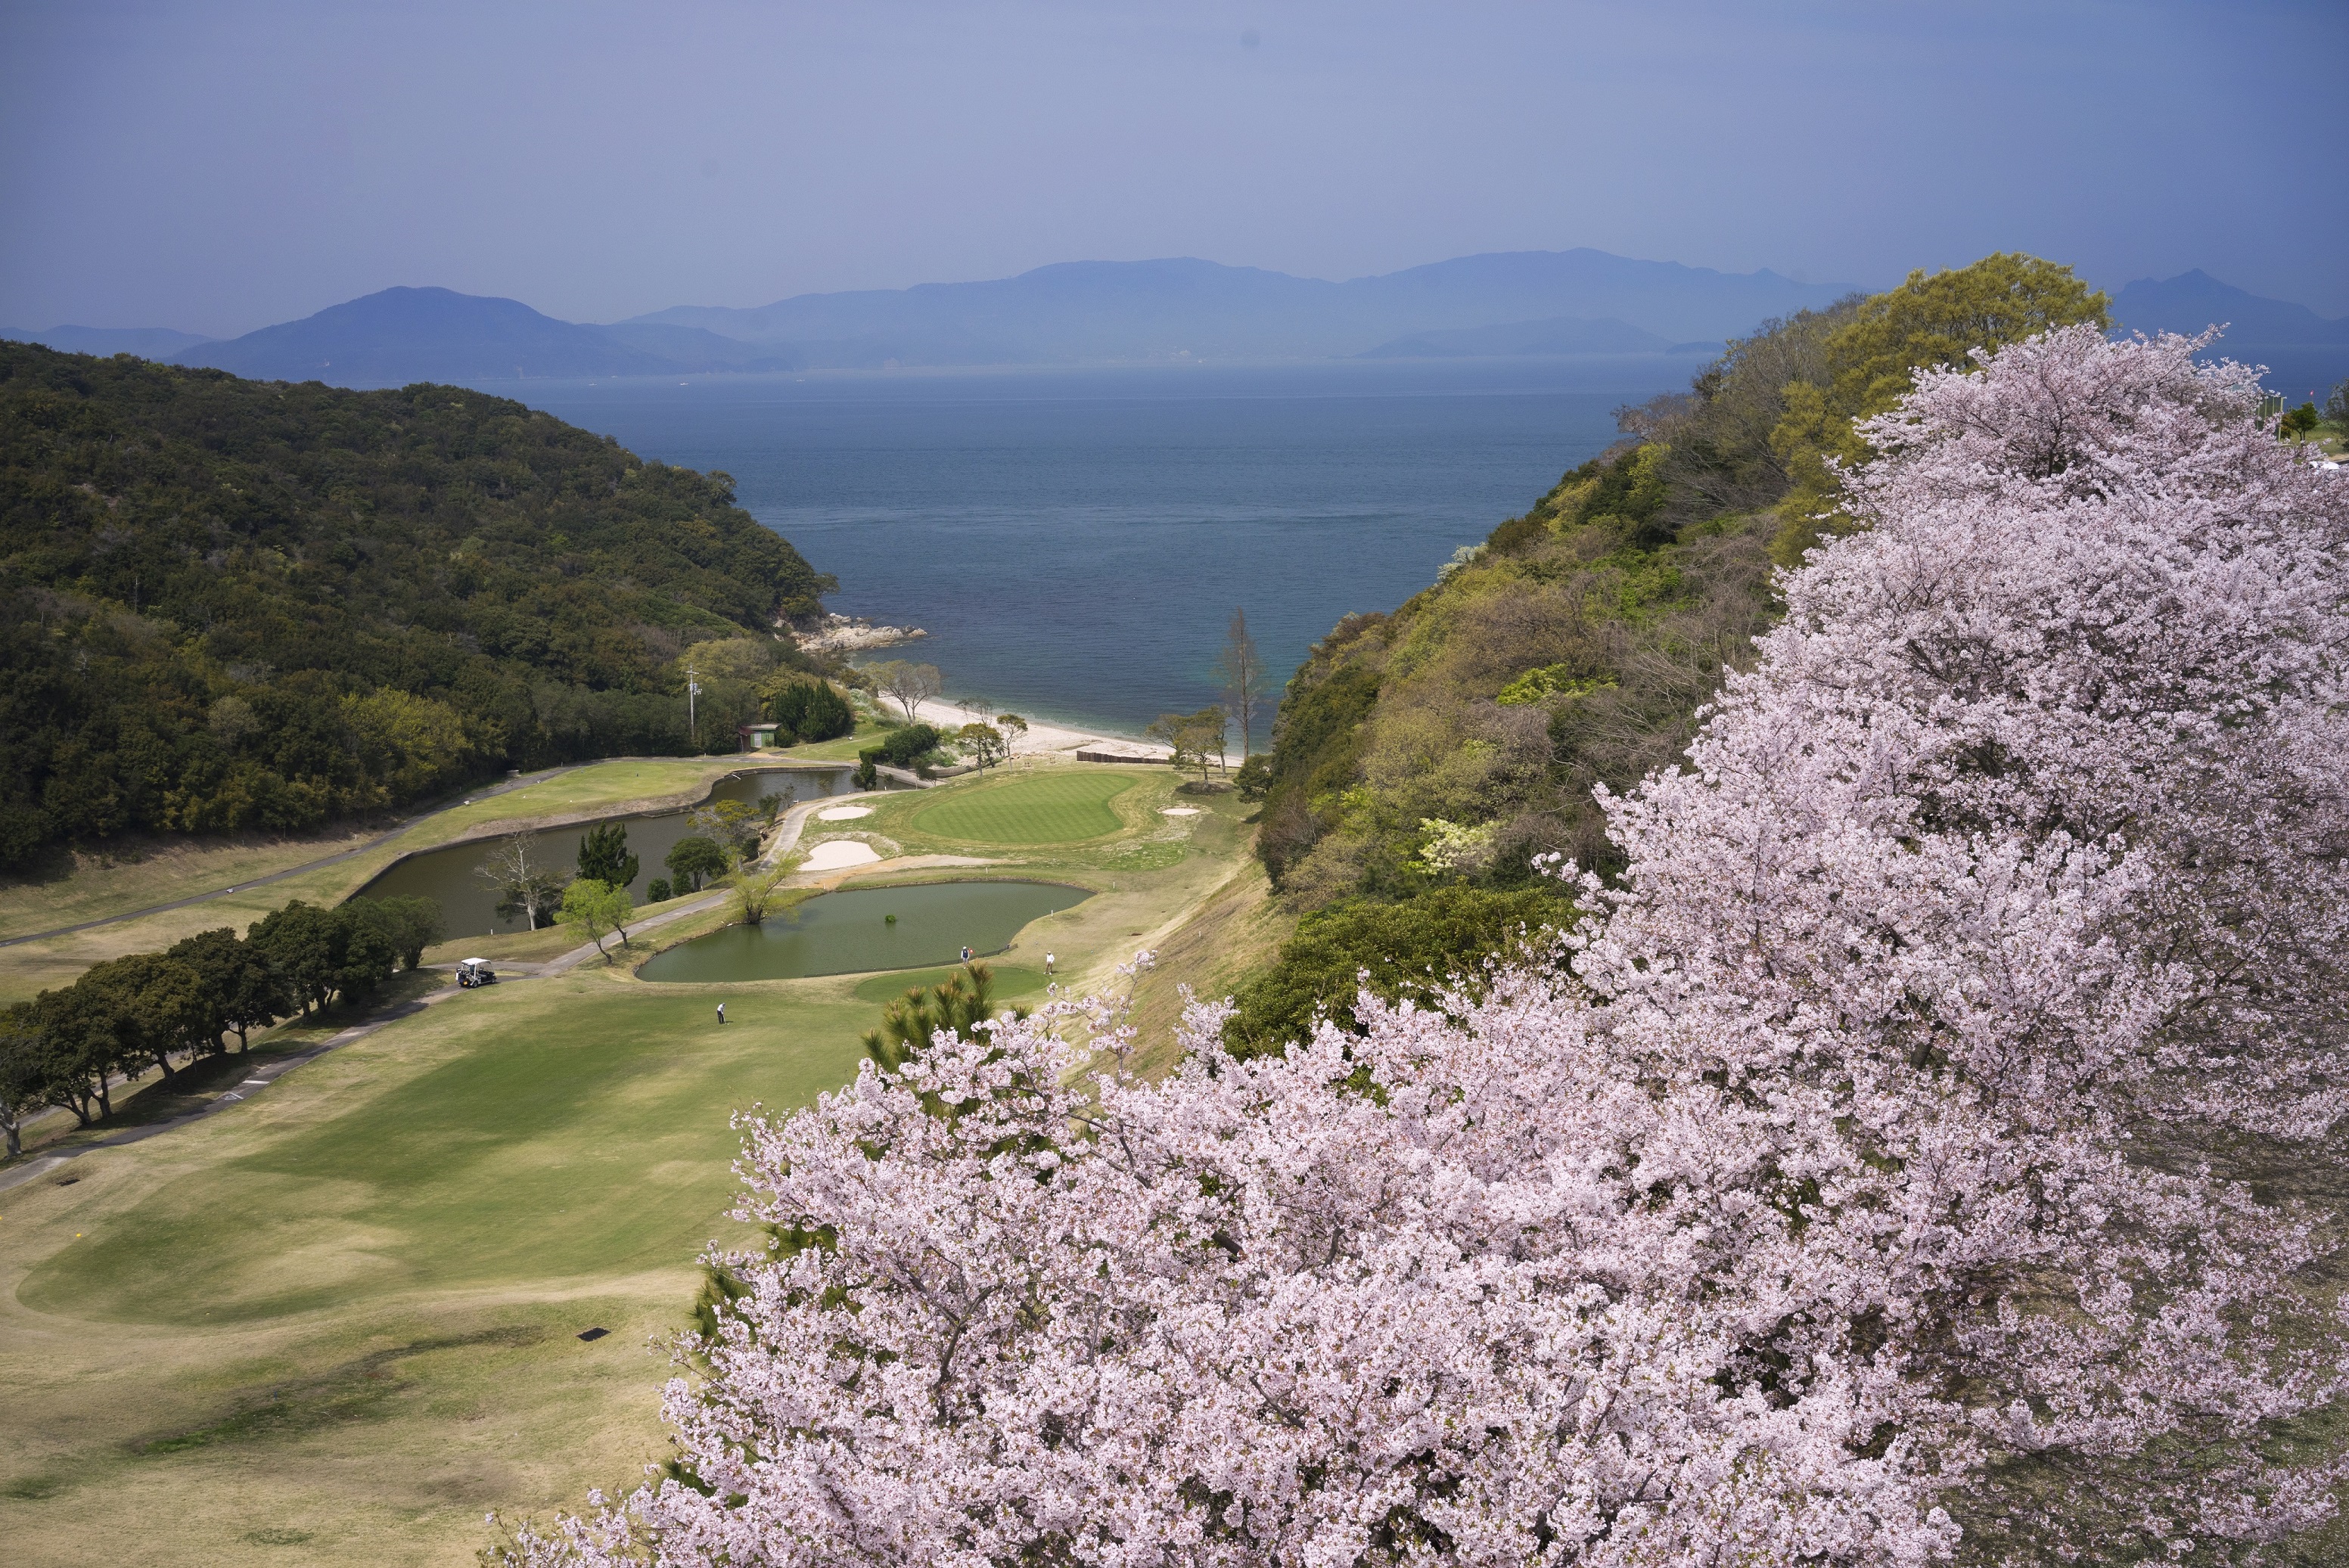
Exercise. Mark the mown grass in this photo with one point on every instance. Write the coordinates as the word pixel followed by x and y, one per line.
pixel 1055 806
pixel 339 1321
pixel 350 1307
pixel 133 875
pixel 1013 983
pixel 519 1121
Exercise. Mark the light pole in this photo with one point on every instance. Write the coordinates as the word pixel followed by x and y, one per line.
pixel 692 690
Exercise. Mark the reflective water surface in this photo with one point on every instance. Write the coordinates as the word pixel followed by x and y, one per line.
pixel 469 903
pixel 851 933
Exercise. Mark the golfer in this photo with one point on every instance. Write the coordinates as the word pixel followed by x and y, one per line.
pixel 721 1012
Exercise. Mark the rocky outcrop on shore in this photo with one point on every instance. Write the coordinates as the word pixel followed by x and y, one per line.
pixel 853 635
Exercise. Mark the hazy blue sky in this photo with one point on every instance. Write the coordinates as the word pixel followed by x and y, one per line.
pixel 220 166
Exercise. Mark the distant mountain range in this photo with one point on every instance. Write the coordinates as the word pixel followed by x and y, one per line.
pixel 1190 309
pixel 1560 334
pixel 2192 301
pixel 400 336
pixel 1579 302
pixel 1570 302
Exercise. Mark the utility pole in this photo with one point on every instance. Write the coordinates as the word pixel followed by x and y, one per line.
pixel 692 690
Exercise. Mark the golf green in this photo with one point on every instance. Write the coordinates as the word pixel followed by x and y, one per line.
pixel 1062 807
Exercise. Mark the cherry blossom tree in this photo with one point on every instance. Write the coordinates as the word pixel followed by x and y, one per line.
pixel 1885 1171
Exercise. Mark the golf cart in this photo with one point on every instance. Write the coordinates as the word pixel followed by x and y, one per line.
pixel 473 972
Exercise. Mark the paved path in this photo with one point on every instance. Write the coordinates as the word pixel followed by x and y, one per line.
pixel 787 838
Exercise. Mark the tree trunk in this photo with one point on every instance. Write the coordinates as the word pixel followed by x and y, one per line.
pixel 15 1130
pixel 104 1095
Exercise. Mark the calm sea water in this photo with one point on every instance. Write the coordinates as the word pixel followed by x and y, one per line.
pixel 1075 541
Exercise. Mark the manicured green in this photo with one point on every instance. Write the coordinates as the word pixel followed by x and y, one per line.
pixel 1064 806
pixel 527 1153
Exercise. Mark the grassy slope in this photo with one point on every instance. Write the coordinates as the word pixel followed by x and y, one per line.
pixel 339 1322
pixel 598 789
pixel 216 1333
pixel 1149 878
pixel 97 886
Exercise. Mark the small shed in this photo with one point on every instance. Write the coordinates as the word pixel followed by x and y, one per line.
pixel 757 737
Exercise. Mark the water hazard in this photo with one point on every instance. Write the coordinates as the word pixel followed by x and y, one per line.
pixel 851 933
pixel 469 903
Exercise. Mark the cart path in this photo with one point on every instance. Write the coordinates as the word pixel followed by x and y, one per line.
pixel 257 1080
pixel 787 838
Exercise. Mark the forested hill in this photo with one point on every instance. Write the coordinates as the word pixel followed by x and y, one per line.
pixel 229 604
pixel 1423 760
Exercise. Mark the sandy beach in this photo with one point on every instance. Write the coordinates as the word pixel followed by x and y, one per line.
pixel 1041 738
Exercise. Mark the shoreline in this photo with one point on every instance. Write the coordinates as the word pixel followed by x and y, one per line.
pixel 1043 739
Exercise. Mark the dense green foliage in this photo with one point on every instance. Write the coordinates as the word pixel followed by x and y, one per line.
pixel 1443 747
pixel 1866 361
pixel 596 907
pixel 907 746
pixel 694 859
pixel 229 604
pixel 1409 950
pixel 604 855
pixel 962 1001
pixel 806 711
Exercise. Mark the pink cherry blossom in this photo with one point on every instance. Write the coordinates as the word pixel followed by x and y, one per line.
pixel 1879 1174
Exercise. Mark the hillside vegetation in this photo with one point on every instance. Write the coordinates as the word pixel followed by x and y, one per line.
pixel 1422 759
pixel 231 604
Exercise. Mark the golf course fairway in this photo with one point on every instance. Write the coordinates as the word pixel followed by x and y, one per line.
pixel 340 1321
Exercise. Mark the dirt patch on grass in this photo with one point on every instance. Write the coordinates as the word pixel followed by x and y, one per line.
pixel 355 1391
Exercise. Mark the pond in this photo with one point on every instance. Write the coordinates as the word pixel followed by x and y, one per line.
pixel 851 933
pixel 469 905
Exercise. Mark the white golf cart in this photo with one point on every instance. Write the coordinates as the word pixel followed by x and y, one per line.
pixel 473 972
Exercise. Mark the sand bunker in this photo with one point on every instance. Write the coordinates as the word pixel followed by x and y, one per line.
pixel 1178 810
pixel 838 855
pixel 842 814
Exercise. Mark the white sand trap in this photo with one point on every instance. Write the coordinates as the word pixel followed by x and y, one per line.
pixel 1178 810
pixel 838 855
pixel 842 814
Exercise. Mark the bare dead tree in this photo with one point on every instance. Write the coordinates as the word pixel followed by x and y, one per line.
pixel 1240 672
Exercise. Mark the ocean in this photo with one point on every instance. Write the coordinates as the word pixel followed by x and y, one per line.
pixel 1074 541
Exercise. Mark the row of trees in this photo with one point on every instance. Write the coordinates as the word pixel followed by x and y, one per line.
pixel 68 1047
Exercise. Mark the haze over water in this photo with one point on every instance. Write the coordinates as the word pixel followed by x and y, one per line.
pixel 1075 541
